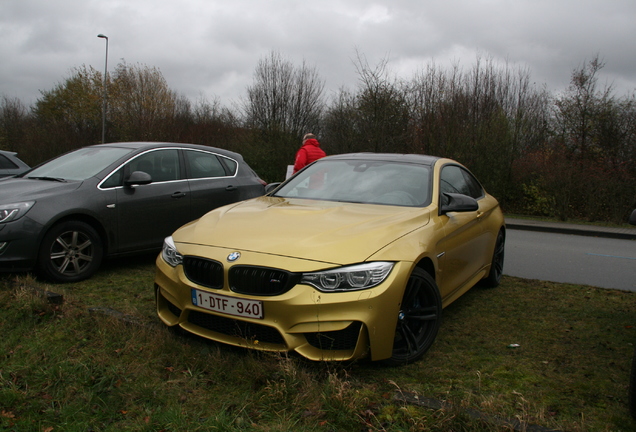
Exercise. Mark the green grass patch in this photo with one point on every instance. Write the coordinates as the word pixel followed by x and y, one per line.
pixel 64 368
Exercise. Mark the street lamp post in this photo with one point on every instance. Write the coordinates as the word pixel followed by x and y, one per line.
pixel 105 84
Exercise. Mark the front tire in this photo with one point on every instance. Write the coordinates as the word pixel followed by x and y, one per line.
pixel 70 252
pixel 419 319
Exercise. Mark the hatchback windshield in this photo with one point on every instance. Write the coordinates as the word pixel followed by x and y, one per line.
pixel 361 181
pixel 80 164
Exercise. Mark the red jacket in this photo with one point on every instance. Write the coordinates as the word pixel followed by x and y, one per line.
pixel 309 152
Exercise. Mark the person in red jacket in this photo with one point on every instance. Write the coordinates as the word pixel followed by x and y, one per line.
pixel 308 152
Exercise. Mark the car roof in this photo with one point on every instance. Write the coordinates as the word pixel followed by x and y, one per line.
pixel 388 157
pixel 141 145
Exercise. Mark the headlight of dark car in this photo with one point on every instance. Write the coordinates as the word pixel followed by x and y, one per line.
pixel 350 278
pixel 11 212
pixel 169 253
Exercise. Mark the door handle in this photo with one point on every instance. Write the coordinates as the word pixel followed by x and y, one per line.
pixel 178 195
pixel 231 188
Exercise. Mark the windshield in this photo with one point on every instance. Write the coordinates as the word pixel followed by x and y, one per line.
pixel 80 164
pixel 361 181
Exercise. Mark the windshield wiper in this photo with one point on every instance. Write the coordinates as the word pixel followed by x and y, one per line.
pixel 56 179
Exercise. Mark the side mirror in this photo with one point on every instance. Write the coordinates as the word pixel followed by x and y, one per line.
pixel 632 218
pixel 138 178
pixel 455 202
pixel 271 186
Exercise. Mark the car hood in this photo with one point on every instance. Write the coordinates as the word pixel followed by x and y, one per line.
pixel 21 189
pixel 330 232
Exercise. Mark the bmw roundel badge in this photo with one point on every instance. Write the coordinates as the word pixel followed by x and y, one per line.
pixel 233 256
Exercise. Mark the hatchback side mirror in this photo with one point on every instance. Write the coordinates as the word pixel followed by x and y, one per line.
pixel 454 202
pixel 138 178
pixel 271 186
pixel 632 218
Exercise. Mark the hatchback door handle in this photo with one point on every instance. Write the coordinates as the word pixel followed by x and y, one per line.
pixel 231 188
pixel 178 195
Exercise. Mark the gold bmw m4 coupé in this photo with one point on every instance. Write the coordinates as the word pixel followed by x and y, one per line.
pixel 354 256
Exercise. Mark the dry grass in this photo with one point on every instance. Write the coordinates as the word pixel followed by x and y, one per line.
pixel 64 368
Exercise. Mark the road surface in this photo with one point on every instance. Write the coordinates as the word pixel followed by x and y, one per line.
pixel 596 261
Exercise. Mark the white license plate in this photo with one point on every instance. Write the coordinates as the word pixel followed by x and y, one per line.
pixel 227 305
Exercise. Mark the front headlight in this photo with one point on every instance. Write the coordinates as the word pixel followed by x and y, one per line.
pixel 350 278
pixel 11 212
pixel 169 253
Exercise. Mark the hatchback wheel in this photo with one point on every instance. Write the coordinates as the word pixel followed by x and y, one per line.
pixel 70 252
pixel 418 320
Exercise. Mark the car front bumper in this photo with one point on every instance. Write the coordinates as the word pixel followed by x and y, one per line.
pixel 19 242
pixel 317 325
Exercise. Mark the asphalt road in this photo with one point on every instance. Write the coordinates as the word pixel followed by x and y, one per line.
pixel 597 261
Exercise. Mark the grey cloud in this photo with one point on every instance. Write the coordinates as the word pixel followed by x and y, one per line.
pixel 210 48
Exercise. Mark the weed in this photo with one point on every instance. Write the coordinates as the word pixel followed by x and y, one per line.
pixel 65 368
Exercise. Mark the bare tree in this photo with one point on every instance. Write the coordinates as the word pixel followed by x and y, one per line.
pixel 578 110
pixel 341 131
pixel 596 131
pixel 485 117
pixel 283 104
pixel 211 123
pixel 383 111
pixel 13 119
pixel 284 99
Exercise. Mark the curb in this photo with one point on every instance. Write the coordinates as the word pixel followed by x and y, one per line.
pixel 562 228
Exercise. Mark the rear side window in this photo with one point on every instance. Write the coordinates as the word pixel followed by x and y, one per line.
pixel 231 164
pixel 206 165
pixel 5 163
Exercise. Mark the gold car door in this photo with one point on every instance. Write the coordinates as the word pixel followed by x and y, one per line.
pixel 465 242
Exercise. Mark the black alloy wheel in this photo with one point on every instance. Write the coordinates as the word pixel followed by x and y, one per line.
pixel 496 268
pixel 70 252
pixel 419 319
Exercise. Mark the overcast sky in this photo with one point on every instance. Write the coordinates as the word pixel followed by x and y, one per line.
pixel 210 48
